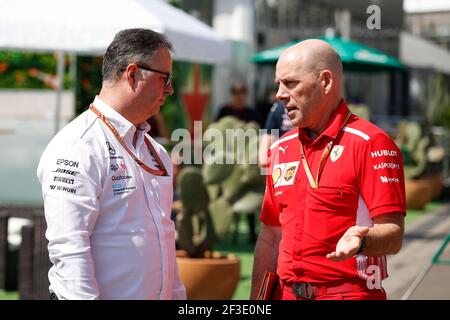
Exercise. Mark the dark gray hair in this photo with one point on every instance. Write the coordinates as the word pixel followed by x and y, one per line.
pixel 131 46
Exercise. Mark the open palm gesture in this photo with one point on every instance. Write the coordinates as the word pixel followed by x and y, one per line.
pixel 349 243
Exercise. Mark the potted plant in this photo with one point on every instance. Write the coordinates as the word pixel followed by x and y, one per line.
pixel 423 165
pixel 211 195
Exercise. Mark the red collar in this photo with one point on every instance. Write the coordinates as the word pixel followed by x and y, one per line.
pixel 333 127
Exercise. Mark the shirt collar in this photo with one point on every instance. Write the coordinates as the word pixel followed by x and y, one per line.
pixel 333 127
pixel 122 125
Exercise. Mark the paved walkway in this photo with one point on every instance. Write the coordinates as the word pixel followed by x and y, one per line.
pixel 423 238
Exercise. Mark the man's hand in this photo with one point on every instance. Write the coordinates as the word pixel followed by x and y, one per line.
pixel 349 244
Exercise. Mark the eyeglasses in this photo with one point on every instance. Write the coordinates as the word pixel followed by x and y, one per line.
pixel 169 77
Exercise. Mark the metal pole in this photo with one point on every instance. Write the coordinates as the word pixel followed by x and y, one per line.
pixel 73 80
pixel 59 89
pixel 416 282
pixel 421 276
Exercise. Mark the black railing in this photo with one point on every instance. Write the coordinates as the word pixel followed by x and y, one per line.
pixel 32 263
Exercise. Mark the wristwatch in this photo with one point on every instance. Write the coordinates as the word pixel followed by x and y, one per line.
pixel 362 248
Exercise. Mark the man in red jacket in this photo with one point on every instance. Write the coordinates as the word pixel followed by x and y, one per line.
pixel 335 196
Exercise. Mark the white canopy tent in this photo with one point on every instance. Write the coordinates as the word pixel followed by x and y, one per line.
pixel 88 26
pixel 421 53
pixel 418 6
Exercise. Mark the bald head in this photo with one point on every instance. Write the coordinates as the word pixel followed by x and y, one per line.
pixel 309 77
pixel 314 55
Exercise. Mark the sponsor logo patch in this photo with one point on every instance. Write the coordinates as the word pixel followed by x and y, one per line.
pixel 122 166
pixel 284 174
pixel 384 153
pixel 111 149
pixel 63 180
pixel 118 189
pixel 388 165
pixel 61 188
pixel 336 153
pixel 385 179
pixel 65 171
pixel 290 173
pixel 278 193
pixel 283 149
pixel 276 175
pixel 67 163
pixel 290 170
pixel 116 186
pixel 117 178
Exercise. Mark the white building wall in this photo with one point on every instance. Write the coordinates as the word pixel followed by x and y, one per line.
pixel 27 124
pixel 234 20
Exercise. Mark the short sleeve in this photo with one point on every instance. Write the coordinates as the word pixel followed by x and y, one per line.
pixel 269 212
pixel 381 176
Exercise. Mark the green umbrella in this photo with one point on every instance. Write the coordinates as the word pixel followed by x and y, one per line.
pixel 355 56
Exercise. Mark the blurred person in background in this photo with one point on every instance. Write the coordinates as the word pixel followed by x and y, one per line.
pixel 277 124
pixel 238 108
pixel 158 129
pixel 107 184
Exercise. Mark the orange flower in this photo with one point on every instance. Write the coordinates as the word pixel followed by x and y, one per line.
pixel 33 72
pixel 20 77
pixel 86 67
pixel 86 84
pixel 3 67
pixel 51 81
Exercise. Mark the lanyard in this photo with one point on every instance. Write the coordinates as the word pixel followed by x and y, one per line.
pixel 326 152
pixel 157 172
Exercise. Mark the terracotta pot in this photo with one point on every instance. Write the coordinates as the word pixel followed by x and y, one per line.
pixel 437 183
pixel 213 278
pixel 418 192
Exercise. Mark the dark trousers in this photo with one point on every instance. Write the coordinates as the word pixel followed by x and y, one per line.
pixel 251 227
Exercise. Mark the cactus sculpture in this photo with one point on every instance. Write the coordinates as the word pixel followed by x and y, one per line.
pixel 419 152
pixel 423 164
pixel 413 145
pixel 213 194
pixel 439 101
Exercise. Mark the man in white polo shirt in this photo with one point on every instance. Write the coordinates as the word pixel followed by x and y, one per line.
pixel 107 185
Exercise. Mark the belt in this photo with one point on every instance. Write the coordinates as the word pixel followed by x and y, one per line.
pixel 309 290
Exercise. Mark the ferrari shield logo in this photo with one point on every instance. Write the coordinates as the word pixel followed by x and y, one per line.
pixel 336 152
pixel 276 175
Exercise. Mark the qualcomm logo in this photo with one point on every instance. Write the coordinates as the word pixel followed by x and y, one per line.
pixel 385 179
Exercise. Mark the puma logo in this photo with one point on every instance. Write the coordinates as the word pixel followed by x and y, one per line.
pixel 283 149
